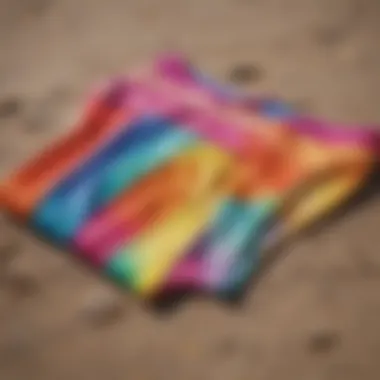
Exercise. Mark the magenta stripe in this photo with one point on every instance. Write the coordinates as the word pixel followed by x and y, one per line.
pixel 365 137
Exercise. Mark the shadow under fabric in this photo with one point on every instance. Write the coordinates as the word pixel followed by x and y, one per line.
pixel 172 181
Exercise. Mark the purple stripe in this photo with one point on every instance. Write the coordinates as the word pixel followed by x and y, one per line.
pixel 366 137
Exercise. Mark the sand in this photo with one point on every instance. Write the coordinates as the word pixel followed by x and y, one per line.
pixel 313 315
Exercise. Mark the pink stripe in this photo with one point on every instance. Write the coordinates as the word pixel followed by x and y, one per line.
pixel 100 238
pixel 367 138
pixel 186 275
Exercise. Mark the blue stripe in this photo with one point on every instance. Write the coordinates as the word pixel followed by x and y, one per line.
pixel 136 150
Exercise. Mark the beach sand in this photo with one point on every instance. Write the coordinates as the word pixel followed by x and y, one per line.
pixel 314 314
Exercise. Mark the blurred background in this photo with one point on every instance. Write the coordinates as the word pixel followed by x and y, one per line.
pixel 314 315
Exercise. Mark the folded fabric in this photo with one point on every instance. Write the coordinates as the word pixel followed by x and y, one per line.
pixel 172 181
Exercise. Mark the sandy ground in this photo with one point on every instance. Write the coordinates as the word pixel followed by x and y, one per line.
pixel 314 315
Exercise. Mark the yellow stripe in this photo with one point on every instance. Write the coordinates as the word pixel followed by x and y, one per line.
pixel 157 249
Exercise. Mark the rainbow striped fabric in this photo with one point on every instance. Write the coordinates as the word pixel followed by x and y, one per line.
pixel 173 182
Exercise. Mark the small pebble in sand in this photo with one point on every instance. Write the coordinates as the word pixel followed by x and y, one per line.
pixel 17 274
pixel 245 73
pixel 22 284
pixel 323 341
pixel 38 6
pixel 8 250
pixel 226 347
pixel 329 35
pixel 10 106
pixel 19 341
pixel 101 309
